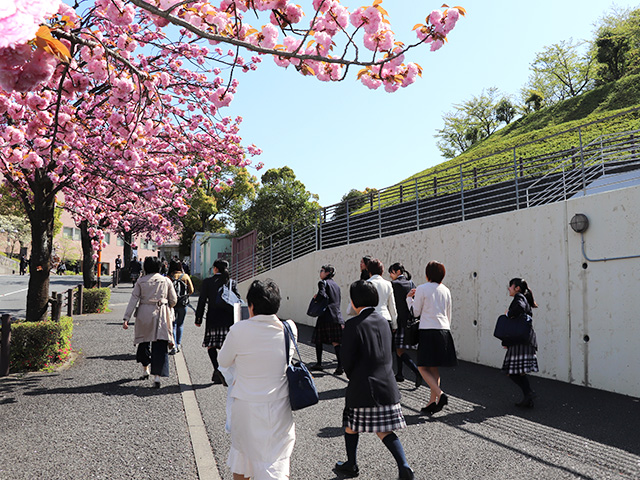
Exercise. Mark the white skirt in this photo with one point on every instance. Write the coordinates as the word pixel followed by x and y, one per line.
pixel 262 439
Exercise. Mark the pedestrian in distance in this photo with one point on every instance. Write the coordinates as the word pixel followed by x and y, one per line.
pixel 183 287
pixel 261 421
pixel 372 400
pixel 152 300
pixel 402 285
pixel 23 264
pixel 364 262
pixel 219 319
pixel 329 324
pixel 386 302
pixel 432 302
pixel 118 265
pixel 521 359
pixel 135 269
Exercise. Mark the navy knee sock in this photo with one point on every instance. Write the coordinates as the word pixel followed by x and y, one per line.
pixel 213 356
pixel 351 443
pixel 409 361
pixel 399 362
pixel 523 382
pixel 319 353
pixel 392 442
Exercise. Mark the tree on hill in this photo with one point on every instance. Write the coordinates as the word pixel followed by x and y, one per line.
pixel 561 71
pixel 353 201
pixel 281 200
pixel 617 46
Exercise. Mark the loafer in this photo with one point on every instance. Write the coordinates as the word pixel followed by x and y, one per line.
pixel 316 367
pixel 156 384
pixel 406 474
pixel 339 371
pixel 348 469
pixel 173 351
pixel 399 378
pixel 418 381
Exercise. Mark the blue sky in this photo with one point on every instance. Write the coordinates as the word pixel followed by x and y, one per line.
pixel 342 135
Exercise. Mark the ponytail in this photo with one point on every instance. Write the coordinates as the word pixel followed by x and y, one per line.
pixel 525 290
pixel 399 267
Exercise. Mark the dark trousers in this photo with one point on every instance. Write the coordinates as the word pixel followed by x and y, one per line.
pixel 154 353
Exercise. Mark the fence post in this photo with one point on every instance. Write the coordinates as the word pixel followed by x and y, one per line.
pixel 5 345
pixel 316 230
pixel 462 192
pixel 80 298
pixel 515 173
pixel 347 212
pixel 400 193
pixel 270 251
pixel 574 150
pixel 435 186
pixel 417 207
pixel 292 242
pixel 584 181
pixel 475 177
pixel 379 217
pixel 55 300
pixel 633 145
pixel 70 302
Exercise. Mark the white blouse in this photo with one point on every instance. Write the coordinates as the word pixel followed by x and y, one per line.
pixel 432 303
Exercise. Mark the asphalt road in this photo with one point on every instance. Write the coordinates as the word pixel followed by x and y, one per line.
pixel 97 419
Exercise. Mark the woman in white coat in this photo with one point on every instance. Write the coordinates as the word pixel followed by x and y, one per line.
pixel 386 300
pixel 152 299
pixel 262 428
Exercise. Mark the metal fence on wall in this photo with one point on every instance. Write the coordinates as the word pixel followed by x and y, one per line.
pixel 452 195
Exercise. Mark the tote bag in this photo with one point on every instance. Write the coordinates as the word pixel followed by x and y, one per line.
pixel 514 331
pixel 302 388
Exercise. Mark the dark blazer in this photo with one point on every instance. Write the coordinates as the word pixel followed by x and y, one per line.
pixel 401 287
pixel 520 305
pixel 366 358
pixel 330 291
pixel 216 317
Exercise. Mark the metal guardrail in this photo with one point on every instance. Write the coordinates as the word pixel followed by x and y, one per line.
pixel 456 194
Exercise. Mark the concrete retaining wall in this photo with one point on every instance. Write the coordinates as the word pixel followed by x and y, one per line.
pixel 587 321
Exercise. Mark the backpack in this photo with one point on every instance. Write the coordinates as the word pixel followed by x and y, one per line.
pixel 181 291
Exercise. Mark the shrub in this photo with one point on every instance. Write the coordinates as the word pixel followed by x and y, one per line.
pixel 197 283
pixel 96 300
pixel 39 345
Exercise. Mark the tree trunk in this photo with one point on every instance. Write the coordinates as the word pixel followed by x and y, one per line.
pixel 125 275
pixel 88 263
pixel 41 218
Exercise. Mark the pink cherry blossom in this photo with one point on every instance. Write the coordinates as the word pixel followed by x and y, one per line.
pixel 20 19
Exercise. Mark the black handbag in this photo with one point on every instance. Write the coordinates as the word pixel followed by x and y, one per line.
pixel 302 388
pixel 514 331
pixel 317 307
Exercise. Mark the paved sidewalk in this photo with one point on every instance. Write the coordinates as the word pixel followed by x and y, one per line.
pixel 97 419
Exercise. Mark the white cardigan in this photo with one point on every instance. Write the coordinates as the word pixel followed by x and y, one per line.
pixel 255 348
pixel 386 300
pixel 432 303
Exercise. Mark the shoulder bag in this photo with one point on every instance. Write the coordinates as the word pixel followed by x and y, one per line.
pixel 514 331
pixel 317 307
pixel 226 297
pixel 412 330
pixel 302 389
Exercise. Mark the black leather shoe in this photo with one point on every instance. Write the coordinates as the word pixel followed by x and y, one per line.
pixel 444 400
pixel 399 378
pixel 406 474
pixel 316 367
pixel 348 469
pixel 339 371
pixel 217 378
pixel 418 381
pixel 527 401
pixel 429 409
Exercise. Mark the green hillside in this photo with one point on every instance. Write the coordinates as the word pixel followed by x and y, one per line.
pixel 586 111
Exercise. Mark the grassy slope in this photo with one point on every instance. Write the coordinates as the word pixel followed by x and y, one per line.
pixel 596 104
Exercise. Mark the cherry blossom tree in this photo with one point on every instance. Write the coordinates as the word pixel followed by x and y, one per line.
pixel 115 104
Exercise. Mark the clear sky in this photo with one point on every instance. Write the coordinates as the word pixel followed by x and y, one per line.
pixel 338 136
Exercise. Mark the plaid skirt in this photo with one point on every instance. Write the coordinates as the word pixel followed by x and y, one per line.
pixel 214 337
pixel 398 340
pixel 385 418
pixel 327 332
pixel 520 359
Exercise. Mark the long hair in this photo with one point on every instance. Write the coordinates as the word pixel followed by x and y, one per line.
pixel 525 290
pixel 399 267
pixel 223 268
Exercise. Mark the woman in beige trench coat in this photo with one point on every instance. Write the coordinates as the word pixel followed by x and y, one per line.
pixel 152 299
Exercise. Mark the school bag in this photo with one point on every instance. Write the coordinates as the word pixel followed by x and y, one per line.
pixel 181 290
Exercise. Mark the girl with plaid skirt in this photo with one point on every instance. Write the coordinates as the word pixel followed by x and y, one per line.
pixel 329 324
pixel 219 318
pixel 372 400
pixel 521 359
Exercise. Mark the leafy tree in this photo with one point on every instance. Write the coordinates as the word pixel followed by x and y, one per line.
pixel 280 201
pixel 481 110
pixel 534 100
pixel 214 205
pixel 561 71
pixel 617 45
pixel 505 111
pixel 355 199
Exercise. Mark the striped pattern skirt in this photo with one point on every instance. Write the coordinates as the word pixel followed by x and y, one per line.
pixel 327 332
pixel 520 359
pixel 399 341
pixel 214 337
pixel 385 418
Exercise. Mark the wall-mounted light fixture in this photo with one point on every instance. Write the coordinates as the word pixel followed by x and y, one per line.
pixel 579 223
